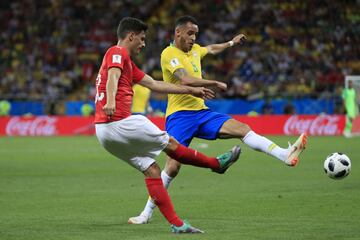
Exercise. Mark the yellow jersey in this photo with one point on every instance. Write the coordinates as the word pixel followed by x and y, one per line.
pixel 172 59
pixel 140 99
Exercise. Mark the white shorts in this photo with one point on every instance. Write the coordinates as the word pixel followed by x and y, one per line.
pixel 134 139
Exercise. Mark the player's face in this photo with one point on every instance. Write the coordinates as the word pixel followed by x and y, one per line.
pixel 138 42
pixel 187 35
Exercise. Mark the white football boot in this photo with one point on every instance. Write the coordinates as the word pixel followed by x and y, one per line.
pixel 141 219
pixel 295 150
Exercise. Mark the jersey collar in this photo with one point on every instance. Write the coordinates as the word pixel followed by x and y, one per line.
pixel 173 45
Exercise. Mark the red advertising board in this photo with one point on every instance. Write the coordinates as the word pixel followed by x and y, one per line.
pixel 46 126
pixel 267 124
pixel 319 125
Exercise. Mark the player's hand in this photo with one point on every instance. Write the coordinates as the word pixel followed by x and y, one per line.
pixel 109 109
pixel 239 39
pixel 222 86
pixel 202 92
pixel 208 93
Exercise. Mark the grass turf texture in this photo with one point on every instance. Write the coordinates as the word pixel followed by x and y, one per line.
pixel 70 188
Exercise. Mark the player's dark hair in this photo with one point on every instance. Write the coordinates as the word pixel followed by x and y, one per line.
pixel 184 20
pixel 129 24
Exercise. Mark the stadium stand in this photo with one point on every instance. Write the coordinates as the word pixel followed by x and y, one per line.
pixel 50 50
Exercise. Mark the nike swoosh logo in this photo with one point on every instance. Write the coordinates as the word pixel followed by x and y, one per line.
pixel 295 149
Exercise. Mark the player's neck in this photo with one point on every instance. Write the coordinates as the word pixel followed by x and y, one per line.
pixel 177 45
pixel 122 43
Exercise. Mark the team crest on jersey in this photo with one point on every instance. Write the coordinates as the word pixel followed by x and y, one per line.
pixel 116 59
pixel 195 54
pixel 174 62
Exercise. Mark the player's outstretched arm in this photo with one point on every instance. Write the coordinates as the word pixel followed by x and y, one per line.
pixel 164 87
pixel 188 80
pixel 218 48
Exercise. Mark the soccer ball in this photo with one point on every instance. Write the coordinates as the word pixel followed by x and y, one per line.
pixel 337 165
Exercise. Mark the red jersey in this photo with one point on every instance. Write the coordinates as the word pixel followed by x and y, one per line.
pixel 116 56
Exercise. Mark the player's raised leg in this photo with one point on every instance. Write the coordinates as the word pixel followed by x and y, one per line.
pixel 190 156
pixel 295 150
pixel 290 156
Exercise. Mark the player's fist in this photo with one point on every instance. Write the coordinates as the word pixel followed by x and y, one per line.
pixel 109 109
pixel 222 86
pixel 239 39
pixel 202 92
pixel 208 93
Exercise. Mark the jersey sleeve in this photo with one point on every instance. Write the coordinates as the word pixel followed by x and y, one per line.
pixel 171 61
pixel 115 58
pixel 203 51
pixel 137 73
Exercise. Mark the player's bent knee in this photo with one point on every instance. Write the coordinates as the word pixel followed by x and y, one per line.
pixel 153 171
pixel 172 146
pixel 235 129
pixel 245 128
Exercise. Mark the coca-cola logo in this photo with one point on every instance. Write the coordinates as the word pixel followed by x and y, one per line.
pixel 320 125
pixel 37 126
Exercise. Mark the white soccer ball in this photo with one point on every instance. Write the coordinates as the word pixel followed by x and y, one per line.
pixel 337 165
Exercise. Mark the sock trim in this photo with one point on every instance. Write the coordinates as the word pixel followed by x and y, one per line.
pixel 247 135
pixel 271 147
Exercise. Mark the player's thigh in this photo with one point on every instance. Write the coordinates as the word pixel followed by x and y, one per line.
pixel 211 123
pixel 135 140
pixel 233 129
pixel 182 126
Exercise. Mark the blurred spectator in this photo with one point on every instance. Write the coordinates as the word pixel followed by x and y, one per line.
pixel 267 107
pixel 49 49
pixel 5 107
pixel 87 110
pixel 289 108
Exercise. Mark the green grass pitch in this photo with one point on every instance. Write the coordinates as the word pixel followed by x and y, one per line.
pixel 70 188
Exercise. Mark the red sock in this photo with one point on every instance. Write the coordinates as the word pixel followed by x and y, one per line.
pixel 161 198
pixel 192 157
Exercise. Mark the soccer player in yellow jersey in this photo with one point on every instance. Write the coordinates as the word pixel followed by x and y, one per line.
pixel 188 117
pixel 140 101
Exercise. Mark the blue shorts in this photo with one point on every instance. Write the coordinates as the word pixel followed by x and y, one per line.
pixel 185 125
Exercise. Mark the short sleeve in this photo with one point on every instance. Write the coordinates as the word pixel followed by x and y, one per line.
pixel 137 73
pixel 203 51
pixel 171 62
pixel 115 57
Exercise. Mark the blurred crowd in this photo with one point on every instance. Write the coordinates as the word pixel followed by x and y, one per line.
pixel 51 50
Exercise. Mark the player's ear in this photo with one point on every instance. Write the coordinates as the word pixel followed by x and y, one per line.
pixel 131 36
pixel 177 31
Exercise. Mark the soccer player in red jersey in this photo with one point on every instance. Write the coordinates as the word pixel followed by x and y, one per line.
pixel 134 138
